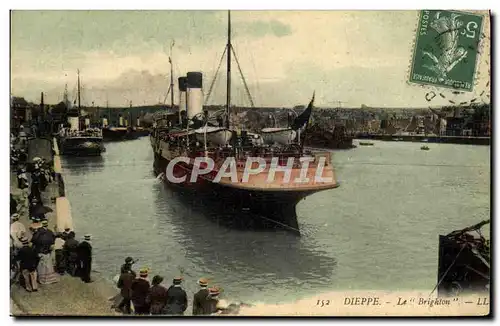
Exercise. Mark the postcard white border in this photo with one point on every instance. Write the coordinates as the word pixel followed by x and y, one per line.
pixel 219 4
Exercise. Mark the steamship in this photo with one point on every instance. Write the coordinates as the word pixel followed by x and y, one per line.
pixel 192 132
pixel 122 132
pixel 77 140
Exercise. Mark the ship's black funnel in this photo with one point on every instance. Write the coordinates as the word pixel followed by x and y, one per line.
pixel 194 79
pixel 182 84
pixel 194 93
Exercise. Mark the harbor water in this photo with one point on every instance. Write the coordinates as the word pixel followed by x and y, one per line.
pixel 377 231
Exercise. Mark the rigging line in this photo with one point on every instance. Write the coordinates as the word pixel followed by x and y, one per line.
pixel 478 255
pixel 446 273
pixel 478 272
pixel 279 223
pixel 242 77
pixel 166 95
pixel 215 76
pixel 255 74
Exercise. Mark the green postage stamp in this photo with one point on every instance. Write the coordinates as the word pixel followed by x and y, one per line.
pixel 446 49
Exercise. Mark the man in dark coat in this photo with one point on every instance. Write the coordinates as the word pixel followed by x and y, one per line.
pixel 70 252
pixel 13 205
pixel 36 184
pixel 28 258
pixel 35 206
pixel 176 298
pixel 129 261
pixel 140 293
pixel 85 258
pixel 125 281
pixel 59 253
pixel 65 234
pixel 213 301
pixel 200 302
pixel 157 296
pixel 43 239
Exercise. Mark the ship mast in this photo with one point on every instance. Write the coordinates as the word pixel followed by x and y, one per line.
pixel 78 73
pixel 228 50
pixel 171 78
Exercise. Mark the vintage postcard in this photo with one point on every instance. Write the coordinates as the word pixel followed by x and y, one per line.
pixel 250 163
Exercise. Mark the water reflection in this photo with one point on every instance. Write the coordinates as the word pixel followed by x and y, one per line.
pixel 360 236
pixel 83 165
pixel 241 257
pixel 217 212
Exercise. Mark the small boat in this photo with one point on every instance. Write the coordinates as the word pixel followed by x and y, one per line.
pixel 282 136
pixel 119 133
pixel 464 258
pixel 216 135
pixel 425 148
pixel 365 143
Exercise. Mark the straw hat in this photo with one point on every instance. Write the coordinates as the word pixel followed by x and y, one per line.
pixel 214 291
pixel 14 217
pixel 143 272
pixel 178 280
pixel 203 281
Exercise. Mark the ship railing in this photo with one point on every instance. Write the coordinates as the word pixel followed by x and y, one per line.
pixel 221 156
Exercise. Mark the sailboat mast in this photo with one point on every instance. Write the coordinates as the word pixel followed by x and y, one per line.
pixel 78 73
pixel 228 52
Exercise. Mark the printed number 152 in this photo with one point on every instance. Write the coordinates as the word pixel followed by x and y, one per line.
pixel 323 303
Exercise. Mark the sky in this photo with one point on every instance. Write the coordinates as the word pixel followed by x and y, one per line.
pixel 348 58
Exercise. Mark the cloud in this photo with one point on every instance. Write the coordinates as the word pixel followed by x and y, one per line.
pixel 261 28
pixel 357 57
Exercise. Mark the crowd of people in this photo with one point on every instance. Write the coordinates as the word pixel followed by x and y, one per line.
pixel 38 254
pixel 137 293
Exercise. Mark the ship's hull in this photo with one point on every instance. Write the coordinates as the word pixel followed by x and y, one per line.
pixel 111 134
pixel 275 206
pixel 81 146
pixel 141 132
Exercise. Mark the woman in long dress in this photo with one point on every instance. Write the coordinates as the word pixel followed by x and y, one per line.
pixel 45 270
pixel 44 240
